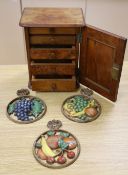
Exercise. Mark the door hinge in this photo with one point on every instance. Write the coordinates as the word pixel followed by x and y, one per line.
pixel 115 72
pixel 79 37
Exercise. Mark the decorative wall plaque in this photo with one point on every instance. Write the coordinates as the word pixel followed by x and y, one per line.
pixel 81 108
pixel 25 108
pixel 56 148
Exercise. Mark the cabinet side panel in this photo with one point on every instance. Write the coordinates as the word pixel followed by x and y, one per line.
pixel 27 42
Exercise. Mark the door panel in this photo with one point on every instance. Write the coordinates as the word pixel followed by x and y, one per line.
pixel 101 60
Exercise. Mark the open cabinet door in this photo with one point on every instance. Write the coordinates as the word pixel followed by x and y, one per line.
pixel 101 59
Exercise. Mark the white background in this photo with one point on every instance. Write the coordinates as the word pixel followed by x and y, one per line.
pixel 110 15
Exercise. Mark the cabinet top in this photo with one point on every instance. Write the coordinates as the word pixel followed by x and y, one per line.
pixel 52 17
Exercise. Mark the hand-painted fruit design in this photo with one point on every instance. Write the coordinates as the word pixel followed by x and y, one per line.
pixel 47 150
pixel 52 141
pixel 61 160
pixel 41 154
pixel 80 108
pixel 56 147
pixel 70 154
pixel 26 109
pixel 50 160
pixel 71 142
pixel 91 112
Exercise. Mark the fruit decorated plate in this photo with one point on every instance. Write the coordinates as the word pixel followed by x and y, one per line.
pixel 56 148
pixel 25 108
pixel 81 108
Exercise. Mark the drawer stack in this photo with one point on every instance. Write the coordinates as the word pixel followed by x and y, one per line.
pixel 53 57
pixel 52 42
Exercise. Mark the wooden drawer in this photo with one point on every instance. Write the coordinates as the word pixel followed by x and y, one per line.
pixel 57 53
pixel 52 30
pixel 54 84
pixel 53 68
pixel 52 40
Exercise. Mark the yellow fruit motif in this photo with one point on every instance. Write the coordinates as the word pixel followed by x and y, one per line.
pixel 77 114
pixel 46 149
pixel 72 112
pixel 91 103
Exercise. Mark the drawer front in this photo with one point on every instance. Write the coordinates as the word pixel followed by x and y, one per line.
pixel 52 40
pixel 53 68
pixel 53 53
pixel 52 30
pixel 54 84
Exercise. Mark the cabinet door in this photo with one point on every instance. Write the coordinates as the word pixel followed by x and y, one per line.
pixel 101 59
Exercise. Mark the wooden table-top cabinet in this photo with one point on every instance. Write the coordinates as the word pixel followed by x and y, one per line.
pixel 63 52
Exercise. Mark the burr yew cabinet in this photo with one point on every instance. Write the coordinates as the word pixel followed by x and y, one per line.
pixel 63 51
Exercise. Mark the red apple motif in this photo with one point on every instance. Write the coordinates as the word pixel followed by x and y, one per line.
pixel 52 141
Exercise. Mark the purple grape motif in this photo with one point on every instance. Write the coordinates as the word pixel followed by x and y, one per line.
pixel 22 109
pixel 26 109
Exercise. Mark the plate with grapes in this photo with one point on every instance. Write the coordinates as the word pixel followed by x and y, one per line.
pixel 25 108
pixel 81 108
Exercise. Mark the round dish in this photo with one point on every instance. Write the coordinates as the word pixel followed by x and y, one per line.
pixel 56 149
pixel 26 109
pixel 81 109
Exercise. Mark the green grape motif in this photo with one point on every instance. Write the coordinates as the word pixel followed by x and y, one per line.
pixel 77 103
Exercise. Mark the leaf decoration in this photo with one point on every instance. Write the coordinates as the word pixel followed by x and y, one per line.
pixel 64 134
pixel 38 145
pixel 37 107
pixel 51 133
pixel 11 108
pixel 82 116
pixel 63 145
